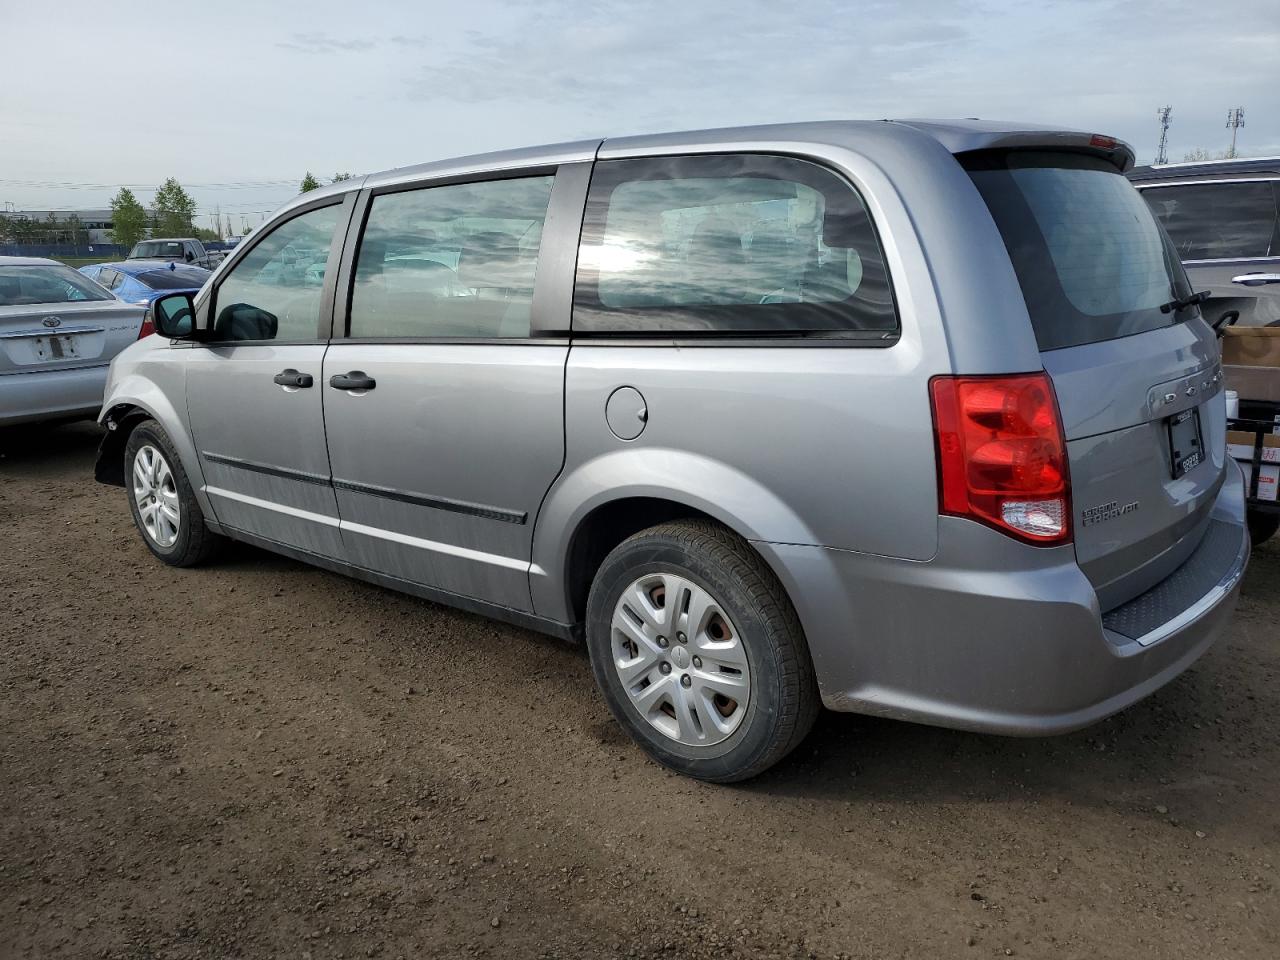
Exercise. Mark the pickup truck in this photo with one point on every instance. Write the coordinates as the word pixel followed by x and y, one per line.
pixel 183 249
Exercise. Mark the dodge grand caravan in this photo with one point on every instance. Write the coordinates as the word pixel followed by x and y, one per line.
pixel 917 419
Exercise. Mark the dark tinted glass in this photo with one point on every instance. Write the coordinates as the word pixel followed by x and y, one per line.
pixel 157 248
pixel 1092 262
pixel 45 283
pixel 180 278
pixel 1218 221
pixel 729 244
pixel 451 261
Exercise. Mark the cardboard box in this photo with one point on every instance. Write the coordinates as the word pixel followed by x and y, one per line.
pixel 1240 445
pixel 1271 448
pixel 1251 362
pixel 1253 383
pixel 1251 346
pixel 1268 481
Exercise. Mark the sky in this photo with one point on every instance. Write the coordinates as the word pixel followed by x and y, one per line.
pixel 238 100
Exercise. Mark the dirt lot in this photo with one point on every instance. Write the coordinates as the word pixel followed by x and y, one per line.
pixel 259 759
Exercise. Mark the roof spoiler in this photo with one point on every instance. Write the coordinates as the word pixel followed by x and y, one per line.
pixel 964 138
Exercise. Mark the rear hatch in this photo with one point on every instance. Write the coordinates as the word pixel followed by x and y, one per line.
pixel 1137 375
pixel 52 317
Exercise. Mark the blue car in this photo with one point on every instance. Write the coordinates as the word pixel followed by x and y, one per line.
pixel 141 281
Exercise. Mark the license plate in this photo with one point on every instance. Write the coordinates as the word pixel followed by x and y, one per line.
pixel 1186 449
pixel 56 347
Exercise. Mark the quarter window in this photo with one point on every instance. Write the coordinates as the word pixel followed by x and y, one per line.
pixel 729 244
pixel 450 261
pixel 274 293
pixel 1218 221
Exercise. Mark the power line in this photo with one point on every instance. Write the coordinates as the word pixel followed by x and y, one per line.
pixel 78 185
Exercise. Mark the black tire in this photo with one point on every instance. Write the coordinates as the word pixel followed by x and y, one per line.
pixel 195 542
pixel 784 700
pixel 1262 526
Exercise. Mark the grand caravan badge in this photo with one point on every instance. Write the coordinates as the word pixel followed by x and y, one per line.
pixel 1106 511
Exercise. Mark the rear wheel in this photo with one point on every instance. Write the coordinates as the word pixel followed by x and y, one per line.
pixel 699 653
pixel 163 505
pixel 1262 526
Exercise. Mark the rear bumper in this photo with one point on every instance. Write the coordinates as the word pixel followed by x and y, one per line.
pixel 997 636
pixel 51 394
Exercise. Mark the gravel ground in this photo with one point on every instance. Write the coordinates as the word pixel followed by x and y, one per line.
pixel 259 759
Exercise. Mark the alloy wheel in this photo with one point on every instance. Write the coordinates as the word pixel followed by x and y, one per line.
pixel 156 493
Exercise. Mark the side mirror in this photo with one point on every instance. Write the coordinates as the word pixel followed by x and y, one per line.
pixel 174 315
pixel 190 256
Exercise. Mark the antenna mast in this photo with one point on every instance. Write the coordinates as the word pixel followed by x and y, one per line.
pixel 1162 153
pixel 1235 120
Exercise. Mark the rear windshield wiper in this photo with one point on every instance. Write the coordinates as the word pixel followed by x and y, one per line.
pixel 1190 300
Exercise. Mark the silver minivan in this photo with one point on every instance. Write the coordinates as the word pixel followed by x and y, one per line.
pixel 917 419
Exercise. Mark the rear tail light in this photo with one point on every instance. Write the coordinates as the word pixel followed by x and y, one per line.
pixel 148 325
pixel 1002 456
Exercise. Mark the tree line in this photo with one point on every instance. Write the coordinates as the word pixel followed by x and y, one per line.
pixel 172 214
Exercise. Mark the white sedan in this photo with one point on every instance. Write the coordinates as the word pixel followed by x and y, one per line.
pixel 58 333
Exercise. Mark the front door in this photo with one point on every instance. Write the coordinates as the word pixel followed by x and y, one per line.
pixel 253 390
pixel 444 415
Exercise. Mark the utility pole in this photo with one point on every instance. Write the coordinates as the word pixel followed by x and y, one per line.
pixel 1162 153
pixel 1235 120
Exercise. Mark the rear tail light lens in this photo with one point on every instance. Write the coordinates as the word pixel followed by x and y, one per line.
pixel 148 325
pixel 1002 455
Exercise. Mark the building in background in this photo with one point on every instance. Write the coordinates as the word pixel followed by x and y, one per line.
pixel 57 226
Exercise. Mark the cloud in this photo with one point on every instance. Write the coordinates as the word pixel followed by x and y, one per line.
pixel 323 43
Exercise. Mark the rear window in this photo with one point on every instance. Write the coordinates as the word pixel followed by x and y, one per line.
pixel 41 283
pixel 157 248
pixel 181 278
pixel 1092 261
pixel 1219 221
pixel 730 244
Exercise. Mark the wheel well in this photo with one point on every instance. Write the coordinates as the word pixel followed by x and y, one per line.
pixel 120 421
pixel 606 527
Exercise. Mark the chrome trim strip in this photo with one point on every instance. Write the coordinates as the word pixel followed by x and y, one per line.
pixel 1236 260
pixel 435 546
pixel 275 507
pixel 1188 183
pixel 49 332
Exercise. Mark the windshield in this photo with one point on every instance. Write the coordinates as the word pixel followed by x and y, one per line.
pixel 156 248
pixel 46 283
pixel 1092 261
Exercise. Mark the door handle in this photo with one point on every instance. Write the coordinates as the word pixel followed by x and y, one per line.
pixel 1256 279
pixel 292 378
pixel 355 380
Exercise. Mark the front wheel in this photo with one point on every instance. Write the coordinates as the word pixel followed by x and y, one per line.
pixel 699 653
pixel 163 505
